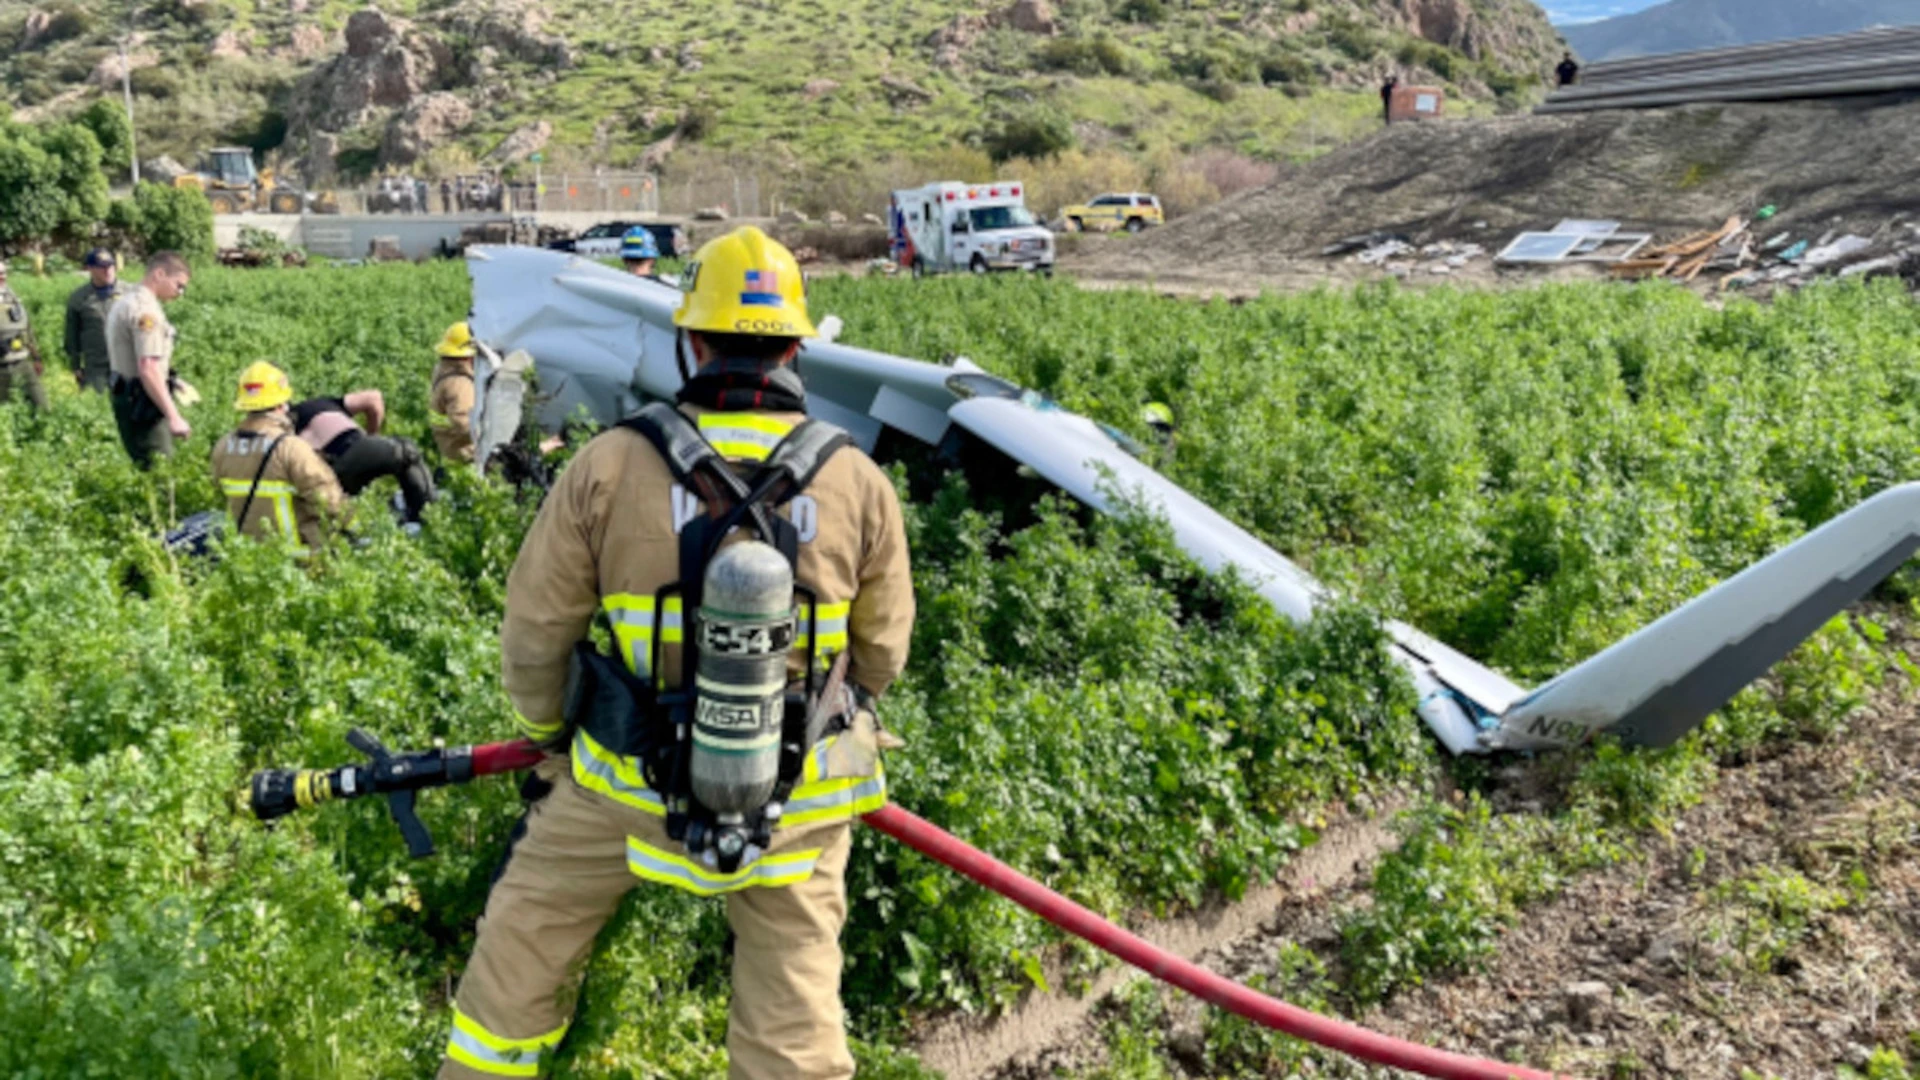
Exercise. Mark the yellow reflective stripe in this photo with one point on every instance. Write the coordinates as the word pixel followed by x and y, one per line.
pixel 835 800
pixel 756 422
pixel 279 495
pixel 632 618
pixel 618 778
pixel 833 627
pixel 537 732
pixel 743 436
pixel 768 872
pixel 472 1045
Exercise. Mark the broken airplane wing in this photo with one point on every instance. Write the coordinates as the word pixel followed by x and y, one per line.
pixel 603 342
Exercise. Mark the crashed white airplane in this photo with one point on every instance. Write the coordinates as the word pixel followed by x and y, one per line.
pixel 605 343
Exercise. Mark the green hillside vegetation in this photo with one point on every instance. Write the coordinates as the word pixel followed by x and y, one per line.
pixel 1528 474
pixel 805 83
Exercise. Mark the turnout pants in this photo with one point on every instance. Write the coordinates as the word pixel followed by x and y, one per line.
pixel 563 880
pixel 17 378
pixel 374 456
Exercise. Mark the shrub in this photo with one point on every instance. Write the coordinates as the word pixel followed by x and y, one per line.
pixel 1034 132
pixel 107 119
pixel 1141 11
pixel 1100 55
pixel 1287 68
pixel 173 219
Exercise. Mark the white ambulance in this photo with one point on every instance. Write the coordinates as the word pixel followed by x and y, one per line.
pixel 973 227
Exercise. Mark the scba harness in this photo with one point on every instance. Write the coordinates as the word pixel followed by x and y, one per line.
pixel 726 744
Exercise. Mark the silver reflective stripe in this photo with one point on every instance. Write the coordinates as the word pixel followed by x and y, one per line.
pixel 586 760
pixel 478 1049
pixel 746 875
pixel 836 625
pixel 643 619
pixel 845 797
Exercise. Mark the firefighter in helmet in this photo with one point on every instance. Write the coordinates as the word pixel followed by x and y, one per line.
pixel 609 539
pixel 451 393
pixel 640 252
pixel 275 484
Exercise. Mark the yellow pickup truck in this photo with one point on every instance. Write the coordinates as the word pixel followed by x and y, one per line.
pixel 1131 211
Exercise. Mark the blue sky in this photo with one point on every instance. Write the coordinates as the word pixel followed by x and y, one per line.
pixel 1566 11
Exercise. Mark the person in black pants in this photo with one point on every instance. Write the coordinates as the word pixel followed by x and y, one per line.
pixel 360 455
pixel 1386 98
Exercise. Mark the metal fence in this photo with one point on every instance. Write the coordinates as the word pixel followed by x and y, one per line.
pixel 599 191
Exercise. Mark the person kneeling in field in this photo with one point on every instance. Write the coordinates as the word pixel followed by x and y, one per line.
pixel 346 431
pixel 275 483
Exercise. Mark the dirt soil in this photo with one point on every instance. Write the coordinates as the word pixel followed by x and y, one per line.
pixel 1842 164
pixel 1635 971
pixel 1046 1029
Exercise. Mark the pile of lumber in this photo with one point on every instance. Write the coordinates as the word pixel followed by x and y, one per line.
pixel 1730 247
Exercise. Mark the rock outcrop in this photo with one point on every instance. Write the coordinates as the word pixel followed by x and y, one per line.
pixel 521 143
pixel 515 29
pixel 1028 17
pixel 951 42
pixel 426 122
pixel 387 64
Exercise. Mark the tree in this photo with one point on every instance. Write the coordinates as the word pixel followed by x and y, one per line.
pixel 50 182
pixel 107 119
pixel 29 187
pixel 172 219
pixel 76 157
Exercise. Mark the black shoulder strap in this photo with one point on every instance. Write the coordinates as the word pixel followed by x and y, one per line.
pixel 265 459
pixel 804 452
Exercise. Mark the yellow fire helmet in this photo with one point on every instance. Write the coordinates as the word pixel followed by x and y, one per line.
pixel 262 387
pixel 745 283
pixel 457 342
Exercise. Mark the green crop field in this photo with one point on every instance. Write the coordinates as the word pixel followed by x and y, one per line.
pixel 1528 475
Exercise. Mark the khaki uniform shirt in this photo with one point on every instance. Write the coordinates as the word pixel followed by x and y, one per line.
pixel 607 537
pixel 450 408
pixel 137 327
pixel 86 337
pixel 15 331
pixel 299 498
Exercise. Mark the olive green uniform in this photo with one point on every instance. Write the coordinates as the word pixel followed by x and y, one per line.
pixel 86 339
pixel 18 368
pixel 137 327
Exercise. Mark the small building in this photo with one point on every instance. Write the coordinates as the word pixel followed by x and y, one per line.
pixel 1416 103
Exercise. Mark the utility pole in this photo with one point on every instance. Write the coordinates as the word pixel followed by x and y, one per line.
pixel 126 90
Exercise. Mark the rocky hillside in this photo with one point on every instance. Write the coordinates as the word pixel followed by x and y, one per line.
pixel 1680 25
pixel 631 82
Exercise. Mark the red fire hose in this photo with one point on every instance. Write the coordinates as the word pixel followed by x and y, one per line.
pixel 278 791
pixel 937 844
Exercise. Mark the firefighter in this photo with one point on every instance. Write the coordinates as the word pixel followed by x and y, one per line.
pixel 19 357
pixel 140 353
pixel 606 539
pixel 275 484
pixel 639 252
pixel 1158 418
pixel 346 431
pixel 450 399
pixel 87 308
